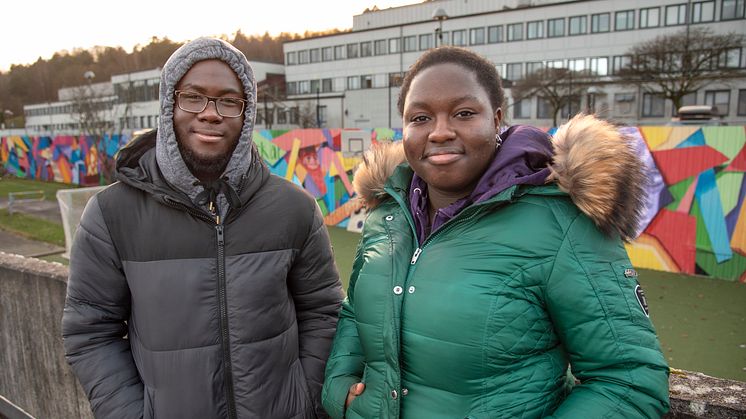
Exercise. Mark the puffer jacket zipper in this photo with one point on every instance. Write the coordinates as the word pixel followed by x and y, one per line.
pixel 222 297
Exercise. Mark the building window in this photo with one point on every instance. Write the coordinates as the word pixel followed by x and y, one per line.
pixel 366 82
pixel 495 34
pixel 555 27
pixel 379 47
pixel 292 88
pixel 395 79
pixel 676 14
pixel 514 71
pixel 577 64
pixel 732 9
pixel 326 85
pixel 327 54
pixel 522 109
pixel 600 23
pixel 304 87
pixel 741 109
pixel 515 32
pixel 686 100
pixel 410 43
pixel 458 38
pixel 426 41
pixel 569 109
pixel 444 38
pixel 653 105
pixel 730 58
pixel 315 55
pixel 394 45
pixel 339 52
pixel 650 17
pixel 282 116
pixel 556 64
pixel 303 57
pixel 366 49
pixel 703 11
pixel 620 62
pixel 476 36
pixel 543 108
pixel 535 30
pixel 353 83
pixel 534 67
pixel 315 86
pixel 578 25
pixel 290 58
pixel 352 50
pixel 719 98
pixel 624 20
pixel 294 115
pixel 600 66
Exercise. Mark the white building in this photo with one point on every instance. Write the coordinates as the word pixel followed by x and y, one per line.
pixel 126 103
pixel 351 78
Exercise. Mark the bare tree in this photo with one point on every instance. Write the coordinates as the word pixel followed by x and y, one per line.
pixel 679 64
pixel 559 87
pixel 307 115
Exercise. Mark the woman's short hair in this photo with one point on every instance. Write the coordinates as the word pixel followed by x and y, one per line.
pixel 482 68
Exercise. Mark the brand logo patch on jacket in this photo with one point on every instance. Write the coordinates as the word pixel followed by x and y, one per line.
pixel 630 273
pixel 640 294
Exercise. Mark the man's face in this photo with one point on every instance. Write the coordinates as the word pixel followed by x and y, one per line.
pixel 207 139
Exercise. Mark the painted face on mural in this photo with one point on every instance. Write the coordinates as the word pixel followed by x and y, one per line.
pixel 207 139
pixel 449 131
pixel 309 159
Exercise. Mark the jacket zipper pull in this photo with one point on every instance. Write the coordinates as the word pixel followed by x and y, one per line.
pixel 415 256
pixel 221 236
pixel 213 207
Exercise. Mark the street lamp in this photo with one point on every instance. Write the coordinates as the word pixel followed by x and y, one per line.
pixel 440 15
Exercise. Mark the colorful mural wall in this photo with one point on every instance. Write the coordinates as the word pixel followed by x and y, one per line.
pixel 694 223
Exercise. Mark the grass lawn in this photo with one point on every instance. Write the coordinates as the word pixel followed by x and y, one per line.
pixel 701 322
pixel 13 184
pixel 32 227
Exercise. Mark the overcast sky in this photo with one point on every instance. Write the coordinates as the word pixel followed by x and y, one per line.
pixel 30 29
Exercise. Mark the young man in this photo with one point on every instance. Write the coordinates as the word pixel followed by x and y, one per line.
pixel 200 285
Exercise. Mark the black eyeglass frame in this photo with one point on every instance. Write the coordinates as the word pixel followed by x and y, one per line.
pixel 214 99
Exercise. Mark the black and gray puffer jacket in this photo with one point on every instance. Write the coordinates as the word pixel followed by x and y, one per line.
pixel 170 315
pixel 176 309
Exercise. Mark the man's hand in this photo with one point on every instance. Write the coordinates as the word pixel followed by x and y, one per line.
pixel 355 390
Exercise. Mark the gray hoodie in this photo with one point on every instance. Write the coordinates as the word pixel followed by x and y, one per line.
pixel 168 155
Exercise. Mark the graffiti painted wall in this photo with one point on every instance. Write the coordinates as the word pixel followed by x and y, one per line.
pixel 695 220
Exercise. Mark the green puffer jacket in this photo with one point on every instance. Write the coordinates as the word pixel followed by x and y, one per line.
pixel 483 319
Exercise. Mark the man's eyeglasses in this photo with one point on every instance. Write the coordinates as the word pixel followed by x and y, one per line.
pixel 228 107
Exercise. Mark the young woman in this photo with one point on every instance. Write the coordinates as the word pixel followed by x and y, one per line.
pixel 490 263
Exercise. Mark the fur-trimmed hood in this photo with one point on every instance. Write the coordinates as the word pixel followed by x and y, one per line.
pixel 593 163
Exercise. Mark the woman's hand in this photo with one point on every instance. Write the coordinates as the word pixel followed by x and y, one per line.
pixel 355 390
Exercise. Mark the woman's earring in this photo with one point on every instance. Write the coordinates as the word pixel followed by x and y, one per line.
pixel 498 141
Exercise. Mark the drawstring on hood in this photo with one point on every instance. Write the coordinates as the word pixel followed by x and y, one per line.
pixel 168 156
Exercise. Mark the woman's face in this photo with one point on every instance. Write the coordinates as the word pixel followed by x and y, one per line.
pixel 449 129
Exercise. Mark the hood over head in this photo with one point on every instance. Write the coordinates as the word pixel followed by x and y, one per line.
pixel 593 162
pixel 168 156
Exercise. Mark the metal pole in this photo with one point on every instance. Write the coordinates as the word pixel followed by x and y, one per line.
pixel 318 114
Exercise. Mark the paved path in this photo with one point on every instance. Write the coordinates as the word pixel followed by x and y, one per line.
pixel 12 243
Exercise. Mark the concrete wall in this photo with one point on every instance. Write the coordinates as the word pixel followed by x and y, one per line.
pixel 35 376
pixel 33 372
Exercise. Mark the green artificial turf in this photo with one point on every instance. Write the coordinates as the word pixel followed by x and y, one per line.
pixel 32 227
pixel 701 322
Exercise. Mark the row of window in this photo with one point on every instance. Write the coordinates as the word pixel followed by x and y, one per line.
pixel 340 84
pixel 71 108
pixel 653 104
pixel 650 17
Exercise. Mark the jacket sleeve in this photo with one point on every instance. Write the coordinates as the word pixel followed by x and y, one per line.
pixel 317 294
pixel 346 362
pixel 591 296
pixel 93 323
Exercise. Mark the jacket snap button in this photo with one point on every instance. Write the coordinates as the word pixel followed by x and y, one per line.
pixel 389 217
pixel 404 392
pixel 398 290
pixel 411 291
pixel 394 394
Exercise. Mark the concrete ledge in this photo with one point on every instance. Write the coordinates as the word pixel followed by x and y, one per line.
pixel 36 377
